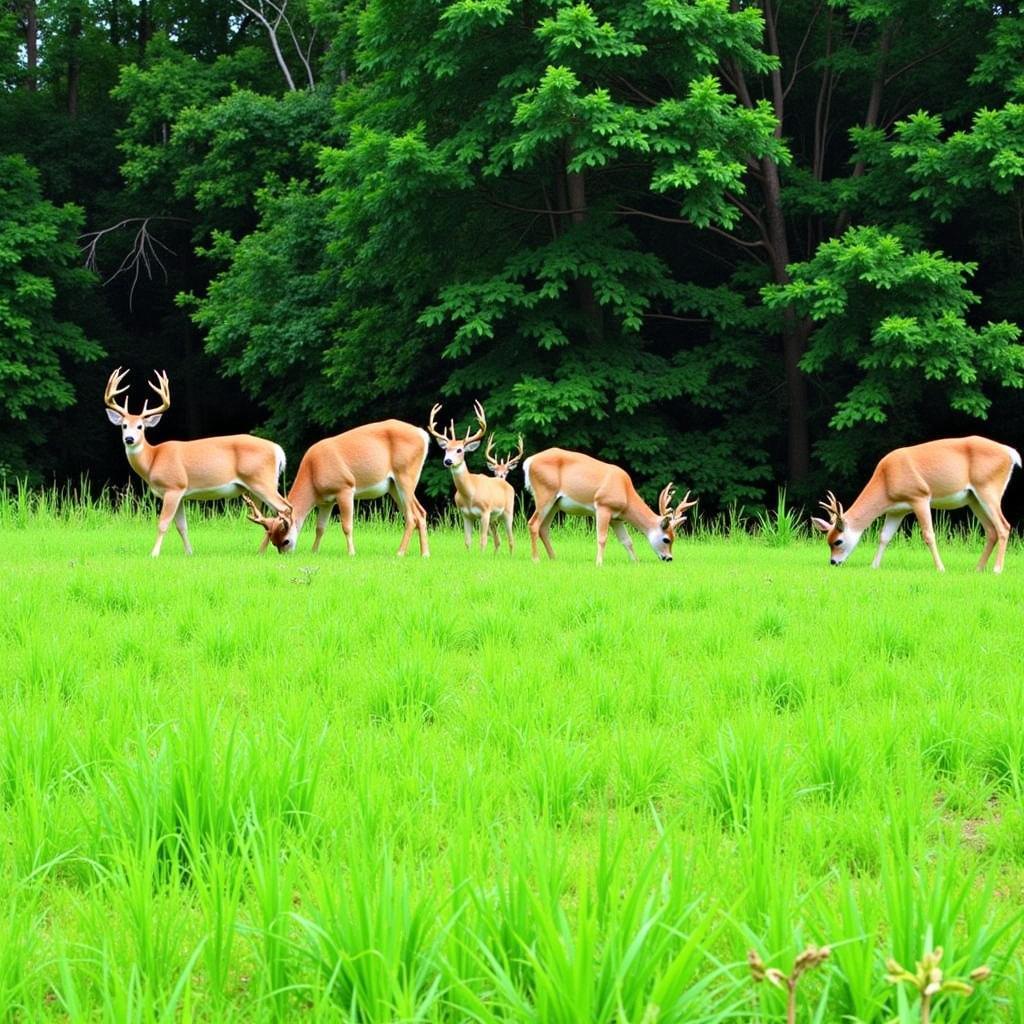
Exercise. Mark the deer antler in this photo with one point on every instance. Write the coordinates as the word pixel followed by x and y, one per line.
pixel 835 510
pixel 432 426
pixel 267 522
pixel 665 504
pixel 111 392
pixel 481 420
pixel 513 460
pixel 254 512
pixel 163 388
pixel 491 461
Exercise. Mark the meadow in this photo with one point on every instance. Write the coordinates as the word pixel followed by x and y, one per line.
pixel 472 788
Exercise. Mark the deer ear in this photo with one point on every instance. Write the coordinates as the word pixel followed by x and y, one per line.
pixel 666 522
pixel 821 524
pixel 152 421
pixel 115 417
pixel 441 443
pixel 472 446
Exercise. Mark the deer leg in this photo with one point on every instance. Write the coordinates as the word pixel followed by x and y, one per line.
pixel 421 524
pixel 467 530
pixel 545 532
pixel 495 536
pixel 991 535
pixel 346 510
pixel 603 518
pixel 624 538
pixel 323 515
pixel 989 504
pixel 411 519
pixel 508 532
pixel 485 528
pixel 172 499
pixel 179 522
pixel 540 522
pixel 923 512
pixel 889 528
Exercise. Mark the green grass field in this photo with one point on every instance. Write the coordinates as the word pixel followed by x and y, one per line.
pixel 475 788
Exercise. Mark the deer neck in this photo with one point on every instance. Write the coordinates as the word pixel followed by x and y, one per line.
pixel 464 481
pixel 140 458
pixel 872 502
pixel 641 516
pixel 302 497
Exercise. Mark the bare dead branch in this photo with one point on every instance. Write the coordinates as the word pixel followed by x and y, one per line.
pixel 272 14
pixel 142 256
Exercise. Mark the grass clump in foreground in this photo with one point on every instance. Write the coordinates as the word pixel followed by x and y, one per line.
pixel 474 788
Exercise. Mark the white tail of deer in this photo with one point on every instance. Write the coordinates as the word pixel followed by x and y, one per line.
pixel 365 462
pixel 208 468
pixel 563 481
pixel 477 497
pixel 950 473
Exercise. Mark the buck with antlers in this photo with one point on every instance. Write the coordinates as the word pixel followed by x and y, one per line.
pixel 564 481
pixel 365 462
pixel 208 468
pixel 946 474
pixel 477 497
pixel 502 467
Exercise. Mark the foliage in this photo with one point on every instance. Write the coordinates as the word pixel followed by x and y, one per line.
pixel 39 338
pixel 896 316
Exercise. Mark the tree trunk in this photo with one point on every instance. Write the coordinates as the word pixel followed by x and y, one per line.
pixel 145 26
pixel 874 109
pixel 31 46
pixel 794 333
pixel 74 59
pixel 576 193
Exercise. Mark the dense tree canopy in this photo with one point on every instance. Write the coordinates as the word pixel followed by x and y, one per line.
pixel 732 243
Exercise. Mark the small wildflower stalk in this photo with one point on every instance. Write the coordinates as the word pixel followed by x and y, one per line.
pixel 928 979
pixel 810 958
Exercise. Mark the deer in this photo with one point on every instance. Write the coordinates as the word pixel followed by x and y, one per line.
pixel 945 474
pixel 502 467
pixel 365 462
pixel 477 497
pixel 566 481
pixel 204 469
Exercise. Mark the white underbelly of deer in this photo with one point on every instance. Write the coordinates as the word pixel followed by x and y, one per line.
pixel 377 490
pixel 574 508
pixel 231 490
pixel 957 500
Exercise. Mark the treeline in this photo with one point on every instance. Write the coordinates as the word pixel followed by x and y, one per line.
pixel 725 243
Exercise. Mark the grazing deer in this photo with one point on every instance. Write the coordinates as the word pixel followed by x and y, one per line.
pixel 502 467
pixel 563 481
pixel 364 462
pixel 477 497
pixel 208 468
pixel 950 473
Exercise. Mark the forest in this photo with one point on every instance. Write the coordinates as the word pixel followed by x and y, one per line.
pixel 735 244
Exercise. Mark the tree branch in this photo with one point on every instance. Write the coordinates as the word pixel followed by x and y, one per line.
pixel 143 254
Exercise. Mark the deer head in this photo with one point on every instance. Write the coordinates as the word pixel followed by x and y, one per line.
pixel 278 526
pixel 133 428
pixel 840 545
pixel 502 467
pixel 456 449
pixel 664 533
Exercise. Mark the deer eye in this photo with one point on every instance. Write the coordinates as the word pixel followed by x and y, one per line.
pixel 665 540
pixel 838 542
